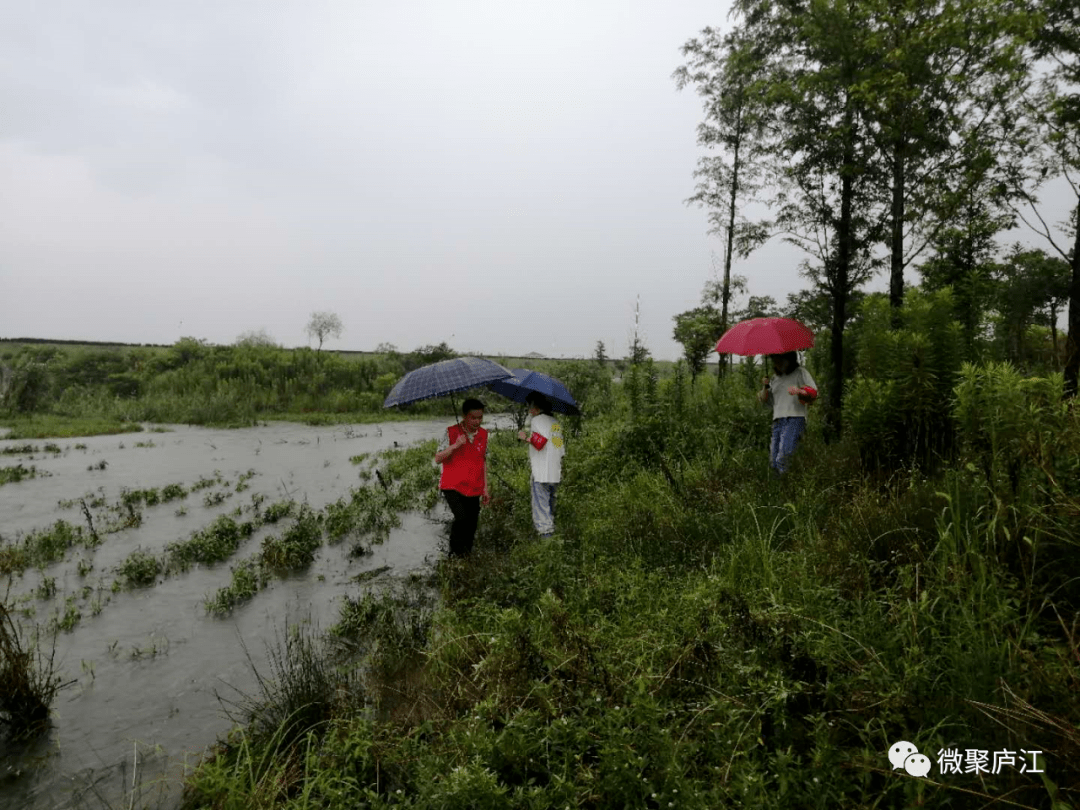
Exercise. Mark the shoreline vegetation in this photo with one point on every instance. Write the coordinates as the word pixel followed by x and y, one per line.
pixel 699 634
pixel 59 390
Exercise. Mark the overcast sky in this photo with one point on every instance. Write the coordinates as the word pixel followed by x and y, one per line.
pixel 503 176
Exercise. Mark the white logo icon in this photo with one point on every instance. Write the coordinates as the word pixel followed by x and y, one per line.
pixel 905 755
pixel 917 764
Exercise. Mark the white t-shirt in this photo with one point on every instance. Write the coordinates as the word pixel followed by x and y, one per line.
pixel 547 462
pixel 784 404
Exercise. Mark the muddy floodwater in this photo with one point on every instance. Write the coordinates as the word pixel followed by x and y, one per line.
pixel 149 662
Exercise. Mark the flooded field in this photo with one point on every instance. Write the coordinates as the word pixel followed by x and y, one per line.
pixel 149 661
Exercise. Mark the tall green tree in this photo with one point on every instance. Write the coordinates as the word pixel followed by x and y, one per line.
pixel 965 245
pixel 828 185
pixel 697 330
pixel 1032 286
pixel 1050 150
pixel 712 295
pixel 937 75
pixel 723 69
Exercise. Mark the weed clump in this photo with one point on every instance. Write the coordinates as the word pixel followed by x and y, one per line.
pixel 172 492
pixel 39 548
pixel 140 568
pixel 278 510
pixel 19 450
pixel 12 475
pixel 296 547
pixel 28 681
pixel 215 543
pixel 248 578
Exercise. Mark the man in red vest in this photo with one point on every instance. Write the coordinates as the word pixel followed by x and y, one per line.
pixel 463 455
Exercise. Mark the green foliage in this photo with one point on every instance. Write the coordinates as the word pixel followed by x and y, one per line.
pixel 70 617
pixel 899 403
pixel 40 426
pixel 215 543
pixel 140 568
pixel 278 510
pixel 589 384
pixel 296 547
pixel 366 513
pixel 40 548
pixel 248 578
pixel 1032 287
pixel 11 475
pixel 30 385
pixel 173 491
pixel 18 450
pixel 1016 430
pixel 697 330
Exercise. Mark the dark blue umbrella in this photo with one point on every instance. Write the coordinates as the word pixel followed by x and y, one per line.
pixel 523 382
pixel 445 377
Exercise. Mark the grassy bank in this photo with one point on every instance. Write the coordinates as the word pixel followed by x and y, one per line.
pixel 701 635
pixel 56 426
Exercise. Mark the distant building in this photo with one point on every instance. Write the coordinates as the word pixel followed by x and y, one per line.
pixel 534 356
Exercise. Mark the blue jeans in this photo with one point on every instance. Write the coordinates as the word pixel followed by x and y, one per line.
pixel 786 432
pixel 543 508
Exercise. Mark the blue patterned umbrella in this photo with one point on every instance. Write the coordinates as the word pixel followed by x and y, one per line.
pixel 445 377
pixel 525 382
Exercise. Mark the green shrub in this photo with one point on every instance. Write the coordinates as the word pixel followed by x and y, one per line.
pixel 248 578
pixel 898 404
pixel 11 475
pixel 140 568
pixel 213 544
pixel 297 546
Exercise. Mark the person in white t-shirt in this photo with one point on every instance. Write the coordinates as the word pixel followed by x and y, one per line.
pixel 546 450
pixel 790 393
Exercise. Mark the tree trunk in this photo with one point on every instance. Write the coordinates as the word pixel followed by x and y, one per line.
pixel 1053 336
pixel 896 241
pixel 1072 340
pixel 726 293
pixel 839 314
pixel 841 282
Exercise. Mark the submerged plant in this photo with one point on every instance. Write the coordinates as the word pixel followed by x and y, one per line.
pixel 39 548
pixel 140 568
pixel 47 588
pixel 297 545
pixel 172 492
pixel 215 543
pixel 70 617
pixel 248 578
pixel 278 510
pixel 12 475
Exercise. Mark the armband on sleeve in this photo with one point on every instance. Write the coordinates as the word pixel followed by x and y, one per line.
pixel 537 441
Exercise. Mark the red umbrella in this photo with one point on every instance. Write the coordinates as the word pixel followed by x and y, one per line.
pixel 765 336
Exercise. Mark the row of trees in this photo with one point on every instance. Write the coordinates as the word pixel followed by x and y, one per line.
pixel 890 134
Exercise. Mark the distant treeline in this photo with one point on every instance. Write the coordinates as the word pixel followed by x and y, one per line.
pixel 78 342
pixel 196 383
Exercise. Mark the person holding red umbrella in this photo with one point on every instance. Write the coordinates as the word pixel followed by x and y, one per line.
pixel 790 392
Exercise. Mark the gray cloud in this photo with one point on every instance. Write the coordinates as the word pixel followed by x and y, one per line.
pixel 504 176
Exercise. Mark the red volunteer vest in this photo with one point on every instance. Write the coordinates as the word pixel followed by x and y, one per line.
pixel 464 470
